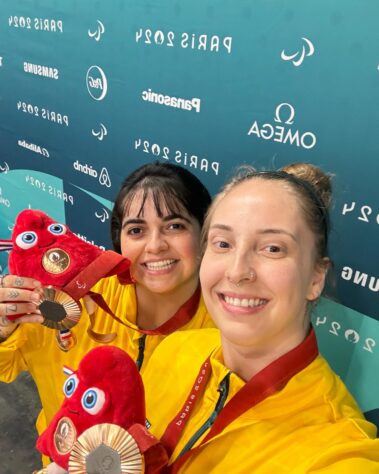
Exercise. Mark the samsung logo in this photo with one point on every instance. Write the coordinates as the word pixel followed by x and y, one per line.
pixel 39 70
pixel 360 278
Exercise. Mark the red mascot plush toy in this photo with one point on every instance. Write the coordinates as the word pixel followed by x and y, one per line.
pixel 51 253
pixel 100 426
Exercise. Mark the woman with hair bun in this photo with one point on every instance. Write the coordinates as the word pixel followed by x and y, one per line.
pixel 264 400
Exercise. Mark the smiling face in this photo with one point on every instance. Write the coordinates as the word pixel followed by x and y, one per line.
pixel 164 250
pixel 259 269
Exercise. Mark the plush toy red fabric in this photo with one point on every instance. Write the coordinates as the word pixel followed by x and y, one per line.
pixel 106 389
pixel 51 253
pixel 47 250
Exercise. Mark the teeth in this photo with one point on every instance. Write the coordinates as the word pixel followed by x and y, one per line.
pixel 244 303
pixel 159 265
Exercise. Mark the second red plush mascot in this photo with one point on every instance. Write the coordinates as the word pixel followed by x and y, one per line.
pixel 102 419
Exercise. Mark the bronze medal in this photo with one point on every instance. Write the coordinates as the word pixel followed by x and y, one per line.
pixel 64 436
pixel 106 448
pixel 55 261
pixel 59 309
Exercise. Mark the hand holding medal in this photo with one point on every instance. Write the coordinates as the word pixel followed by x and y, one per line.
pixel 66 266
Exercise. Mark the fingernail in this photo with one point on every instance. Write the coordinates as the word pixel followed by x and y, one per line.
pixel 36 283
pixel 35 297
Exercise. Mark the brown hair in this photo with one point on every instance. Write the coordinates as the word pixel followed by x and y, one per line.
pixel 170 186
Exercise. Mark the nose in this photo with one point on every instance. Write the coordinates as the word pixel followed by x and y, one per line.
pixel 241 270
pixel 156 242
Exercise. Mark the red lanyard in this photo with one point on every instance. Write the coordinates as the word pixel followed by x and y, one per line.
pixel 266 382
pixel 178 320
pixel 173 431
pixel 106 264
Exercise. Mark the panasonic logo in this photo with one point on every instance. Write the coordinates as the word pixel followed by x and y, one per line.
pixel 168 101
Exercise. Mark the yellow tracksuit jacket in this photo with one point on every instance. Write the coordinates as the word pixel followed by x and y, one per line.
pixel 32 347
pixel 312 425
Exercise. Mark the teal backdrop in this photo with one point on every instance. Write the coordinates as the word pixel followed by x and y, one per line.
pixel 90 90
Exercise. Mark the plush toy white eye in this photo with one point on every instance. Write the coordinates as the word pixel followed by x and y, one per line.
pixel 70 385
pixel 27 239
pixel 57 229
pixel 93 400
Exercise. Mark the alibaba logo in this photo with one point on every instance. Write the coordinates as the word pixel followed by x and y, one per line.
pixel 100 134
pixel 96 35
pixel 297 58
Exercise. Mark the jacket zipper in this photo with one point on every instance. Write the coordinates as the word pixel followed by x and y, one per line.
pixel 141 351
pixel 223 389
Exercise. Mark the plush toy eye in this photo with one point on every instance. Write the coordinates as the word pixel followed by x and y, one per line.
pixel 57 229
pixel 70 385
pixel 93 400
pixel 27 239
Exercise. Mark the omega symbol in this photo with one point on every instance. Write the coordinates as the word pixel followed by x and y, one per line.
pixel 291 117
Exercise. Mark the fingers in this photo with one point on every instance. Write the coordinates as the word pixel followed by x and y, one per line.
pixel 11 309
pixel 30 318
pixel 19 300
pixel 15 281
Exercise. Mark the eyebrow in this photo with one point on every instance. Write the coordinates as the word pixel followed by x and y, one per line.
pixel 167 218
pixel 261 231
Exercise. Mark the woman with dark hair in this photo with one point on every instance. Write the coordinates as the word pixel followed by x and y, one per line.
pixel 156 223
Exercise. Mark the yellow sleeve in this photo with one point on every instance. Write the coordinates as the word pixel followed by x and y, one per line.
pixel 11 359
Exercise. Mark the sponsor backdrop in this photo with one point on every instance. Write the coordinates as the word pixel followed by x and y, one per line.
pixel 91 90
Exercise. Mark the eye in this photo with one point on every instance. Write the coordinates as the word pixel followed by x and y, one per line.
pixel 93 400
pixel 27 239
pixel 57 229
pixel 176 226
pixel 134 231
pixel 274 251
pixel 273 248
pixel 220 245
pixel 70 385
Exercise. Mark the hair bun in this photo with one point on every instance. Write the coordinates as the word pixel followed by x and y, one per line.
pixel 314 175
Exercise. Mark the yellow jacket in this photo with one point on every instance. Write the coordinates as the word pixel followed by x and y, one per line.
pixel 32 347
pixel 312 425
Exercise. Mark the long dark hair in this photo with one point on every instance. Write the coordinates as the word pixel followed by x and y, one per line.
pixel 169 185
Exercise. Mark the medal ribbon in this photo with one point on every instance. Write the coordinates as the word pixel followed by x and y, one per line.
pixel 266 382
pixel 180 318
pixel 106 264
pixel 153 451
